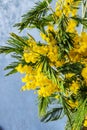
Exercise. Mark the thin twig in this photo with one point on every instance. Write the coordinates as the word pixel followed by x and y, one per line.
pixel 84 11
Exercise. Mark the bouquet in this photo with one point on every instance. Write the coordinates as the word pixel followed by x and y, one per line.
pixel 55 66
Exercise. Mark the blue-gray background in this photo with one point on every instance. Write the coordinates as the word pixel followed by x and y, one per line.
pixel 18 110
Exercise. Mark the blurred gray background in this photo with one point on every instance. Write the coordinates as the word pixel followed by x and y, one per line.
pixel 18 110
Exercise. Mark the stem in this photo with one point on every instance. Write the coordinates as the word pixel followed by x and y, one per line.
pixel 49 6
pixel 84 11
pixel 51 10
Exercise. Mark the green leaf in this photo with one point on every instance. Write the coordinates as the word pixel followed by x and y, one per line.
pixel 42 105
pixel 13 71
pixel 11 66
pixel 79 115
pixel 60 84
pixel 67 111
pixel 48 70
pixel 15 45
pixel 8 49
pixel 52 115
pixel 33 16
pixel 21 40
pixel 71 68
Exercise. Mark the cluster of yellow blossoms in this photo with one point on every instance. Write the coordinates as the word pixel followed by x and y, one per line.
pixel 85 122
pixel 36 80
pixel 66 7
pixel 78 53
pixel 34 77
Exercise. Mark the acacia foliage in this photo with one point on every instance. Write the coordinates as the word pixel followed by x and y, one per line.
pixel 55 67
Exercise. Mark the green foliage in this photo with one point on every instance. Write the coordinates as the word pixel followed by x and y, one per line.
pixel 48 70
pixel 82 92
pixel 64 38
pixel 42 105
pixel 35 16
pixel 79 115
pixel 71 68
pixel 15 46
pixel 80 20
pixel 12 67
pixel 66 108
pixel 39 17
pixel 52 115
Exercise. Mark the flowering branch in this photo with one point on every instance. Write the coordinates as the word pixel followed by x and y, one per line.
pixel 55 67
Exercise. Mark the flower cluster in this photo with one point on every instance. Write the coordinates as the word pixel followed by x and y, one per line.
pixel 55 67
pixel 38 80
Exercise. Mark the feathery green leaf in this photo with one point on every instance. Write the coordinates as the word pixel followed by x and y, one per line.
pixel 34 16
